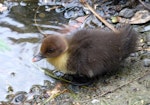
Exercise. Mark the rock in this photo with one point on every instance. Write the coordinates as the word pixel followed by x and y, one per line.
pixel 142 29
pixel 146 62
pixel 74 12
pixel 148 43
pixel 61 9
pixel 19 97
pixel 148 39
pixel 127 13
pixel 134 54
pixel 95 101
pixel 146 28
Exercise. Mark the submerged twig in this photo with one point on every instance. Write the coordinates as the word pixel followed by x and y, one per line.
pixel 99 17
pixel 39 29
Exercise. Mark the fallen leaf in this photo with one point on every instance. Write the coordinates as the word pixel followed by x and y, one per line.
pixel 55 90
pixel 54 93
pixel 72 26
pixel 140 17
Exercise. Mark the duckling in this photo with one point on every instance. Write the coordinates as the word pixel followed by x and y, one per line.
pixel 88 52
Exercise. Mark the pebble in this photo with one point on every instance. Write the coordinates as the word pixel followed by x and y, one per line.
pixel 126 13
pixel 95 101
pixel 134 54
pixel 19 97
pixel 23 4
pixel 146 62
pixel 148 43
pixel 61 9
pixel 145 28
pixel 148 39
pixel 74 12
pixel 36 89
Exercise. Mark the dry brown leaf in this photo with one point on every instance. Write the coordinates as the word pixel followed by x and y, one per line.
pixel 72 26
pixel 140 17
pixel 55 90
pixel 81 19
pixel 76 103
pixel 54 93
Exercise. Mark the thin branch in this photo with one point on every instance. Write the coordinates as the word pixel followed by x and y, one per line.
pixel 99 17
pixel 146 6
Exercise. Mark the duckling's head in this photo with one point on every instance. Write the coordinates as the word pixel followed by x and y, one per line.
pixel 52 46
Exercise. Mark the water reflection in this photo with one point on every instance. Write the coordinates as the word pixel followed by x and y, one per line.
pixel 22 41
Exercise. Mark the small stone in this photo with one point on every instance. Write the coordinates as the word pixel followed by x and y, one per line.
pixel 146 62
pixel 142 52
pixel 95 101
pixel 127 13
pixel 141 40
pixel 36 89
pixel 148 43
pixel 74 12
pixel 134 54
pixel 147 28
pixel 10 89
pixel 19 97
pixel 23 4
pixel 148 39
pixel 61 9
pixel 9 97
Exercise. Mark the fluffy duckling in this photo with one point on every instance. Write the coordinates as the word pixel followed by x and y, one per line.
pixel 88 52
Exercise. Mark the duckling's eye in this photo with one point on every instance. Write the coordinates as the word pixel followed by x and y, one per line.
pixel 50 50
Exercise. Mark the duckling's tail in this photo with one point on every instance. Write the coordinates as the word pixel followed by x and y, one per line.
pixel 128 40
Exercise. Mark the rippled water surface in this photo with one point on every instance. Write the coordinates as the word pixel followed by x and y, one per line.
pixel 20 41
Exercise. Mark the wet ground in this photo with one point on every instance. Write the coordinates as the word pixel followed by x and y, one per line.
pixel 23 83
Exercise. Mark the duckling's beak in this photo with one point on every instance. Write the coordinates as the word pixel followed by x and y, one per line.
pixel 37 57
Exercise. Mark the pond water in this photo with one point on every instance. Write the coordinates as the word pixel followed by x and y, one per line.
pixel 20 42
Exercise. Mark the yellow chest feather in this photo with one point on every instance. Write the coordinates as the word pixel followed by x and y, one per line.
pixel 60 62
